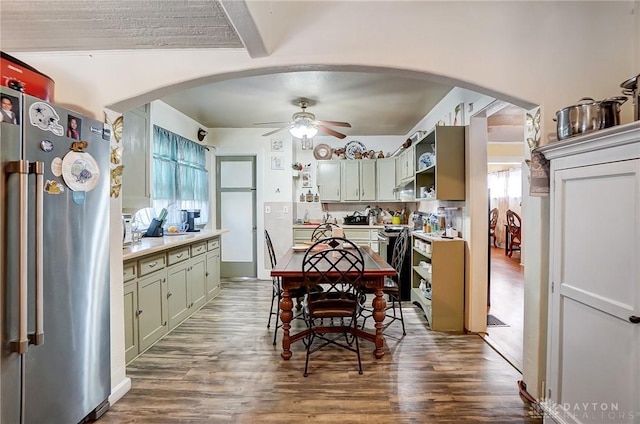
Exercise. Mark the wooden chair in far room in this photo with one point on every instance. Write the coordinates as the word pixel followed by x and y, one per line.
pixel 276 292
pixel 514 231
pixel 392 286
pixel 339 270
pixel 323 231
pixel 493 221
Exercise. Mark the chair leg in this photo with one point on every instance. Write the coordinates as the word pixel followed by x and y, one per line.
pixel 404 333
pixel 306 361
pixel 274 294
pixel 358 353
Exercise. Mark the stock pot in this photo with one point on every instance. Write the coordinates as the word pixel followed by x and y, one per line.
pixel 580 118
pixel 588 115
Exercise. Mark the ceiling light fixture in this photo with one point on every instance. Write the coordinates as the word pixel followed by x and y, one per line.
pixel 303 128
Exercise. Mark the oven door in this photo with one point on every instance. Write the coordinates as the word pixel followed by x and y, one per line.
pixel 383 247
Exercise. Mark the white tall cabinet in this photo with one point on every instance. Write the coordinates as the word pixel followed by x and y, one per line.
pixel 593 345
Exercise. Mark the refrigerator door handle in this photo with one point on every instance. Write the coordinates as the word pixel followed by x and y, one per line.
pixel 38 337
pixel 21 167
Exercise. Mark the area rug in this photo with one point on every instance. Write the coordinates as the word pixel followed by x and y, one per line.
pixel 495 322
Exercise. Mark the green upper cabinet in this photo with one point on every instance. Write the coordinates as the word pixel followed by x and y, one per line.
pixel 329 180
pixel 443 165
pixel 358 180
pixel 136 175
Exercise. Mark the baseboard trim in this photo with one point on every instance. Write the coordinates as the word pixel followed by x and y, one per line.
pixel 497 348
pixel 120 390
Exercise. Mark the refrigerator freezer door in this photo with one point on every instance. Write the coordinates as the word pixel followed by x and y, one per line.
pixel 69 375
pixel 10 362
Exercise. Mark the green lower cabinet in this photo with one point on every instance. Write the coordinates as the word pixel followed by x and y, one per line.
pixel 178 298
pixel 130 321
pixel 197 282
pixel 213 273
pixel 152 309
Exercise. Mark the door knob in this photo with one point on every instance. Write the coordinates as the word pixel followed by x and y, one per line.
pixel 634 319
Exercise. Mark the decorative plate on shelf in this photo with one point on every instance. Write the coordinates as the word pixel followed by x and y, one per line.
pixel 426 160
pixel 353 147
pixel 322 152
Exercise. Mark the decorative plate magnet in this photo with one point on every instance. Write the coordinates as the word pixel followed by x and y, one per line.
pixel 46 145
pixel 53 187
pixel 56 166
pixel 80 171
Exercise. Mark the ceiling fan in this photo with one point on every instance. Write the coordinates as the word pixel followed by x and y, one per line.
pixel 304 124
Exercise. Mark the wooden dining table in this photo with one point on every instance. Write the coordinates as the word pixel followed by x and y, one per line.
pixel 289 269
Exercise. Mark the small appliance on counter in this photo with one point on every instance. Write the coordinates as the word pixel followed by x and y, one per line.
pixel 127 233
pixel 191 215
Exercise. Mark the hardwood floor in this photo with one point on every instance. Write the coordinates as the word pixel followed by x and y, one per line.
pixel 220 367
pixel 507 304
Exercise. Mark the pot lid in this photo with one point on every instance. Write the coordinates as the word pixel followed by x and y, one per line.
pixel 631 83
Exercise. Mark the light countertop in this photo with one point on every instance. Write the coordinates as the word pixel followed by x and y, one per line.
pixel 149 245
pixel 364 227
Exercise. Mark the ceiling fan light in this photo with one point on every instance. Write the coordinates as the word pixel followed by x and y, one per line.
pixel 302 129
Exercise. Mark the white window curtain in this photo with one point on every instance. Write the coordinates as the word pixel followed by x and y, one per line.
pixel 180 178
pixel 505 189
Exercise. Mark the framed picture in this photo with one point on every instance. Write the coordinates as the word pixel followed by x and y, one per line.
pixel 277 162
pixel 277 145
pixel 74 127
pixel 306 178
pixel 10 109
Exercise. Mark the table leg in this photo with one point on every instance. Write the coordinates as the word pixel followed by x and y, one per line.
pixel 285 316
pixel 379 312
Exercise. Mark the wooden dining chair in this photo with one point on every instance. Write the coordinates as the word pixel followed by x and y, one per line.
pixel 392 286
pixel 276 290
pixel 493 221
pixel 514 228
pixel 323 231
pixel 338 270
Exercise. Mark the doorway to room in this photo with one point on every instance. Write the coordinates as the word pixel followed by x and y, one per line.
pixel 505 296
pixel 236 212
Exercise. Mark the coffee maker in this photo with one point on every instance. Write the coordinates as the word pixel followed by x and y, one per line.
pixel 191 215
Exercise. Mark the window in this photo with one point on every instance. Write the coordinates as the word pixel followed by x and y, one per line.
pixel 180 178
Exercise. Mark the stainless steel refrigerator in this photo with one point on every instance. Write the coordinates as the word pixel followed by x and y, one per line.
pixel 54 259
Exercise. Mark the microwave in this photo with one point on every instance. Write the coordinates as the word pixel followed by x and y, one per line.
pixel 127 232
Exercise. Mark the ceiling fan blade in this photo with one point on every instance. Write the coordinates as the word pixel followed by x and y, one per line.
pixel 335 123
pixel 274 131
pixel 329 131
pixel 271 123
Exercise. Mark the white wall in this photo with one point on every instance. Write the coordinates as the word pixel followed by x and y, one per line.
pixel 548 53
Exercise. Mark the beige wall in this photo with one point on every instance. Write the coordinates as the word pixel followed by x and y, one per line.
pixel 547 53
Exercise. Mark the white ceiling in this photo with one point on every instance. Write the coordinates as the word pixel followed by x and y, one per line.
pixel 373 103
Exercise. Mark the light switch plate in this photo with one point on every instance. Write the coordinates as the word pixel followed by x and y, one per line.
pixel 267 209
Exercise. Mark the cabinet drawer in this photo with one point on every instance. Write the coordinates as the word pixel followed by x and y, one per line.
pixel 198 248
pixel 357 234
pixel 178 255
pixel 128 271
pixel 151 264
pixel 303 233
pixel 213 244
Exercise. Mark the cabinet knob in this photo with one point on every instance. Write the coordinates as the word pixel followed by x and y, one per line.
pixel 634 319
pixel 169 295
pixel 139 311
pixel 206 274
pixel 164 324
